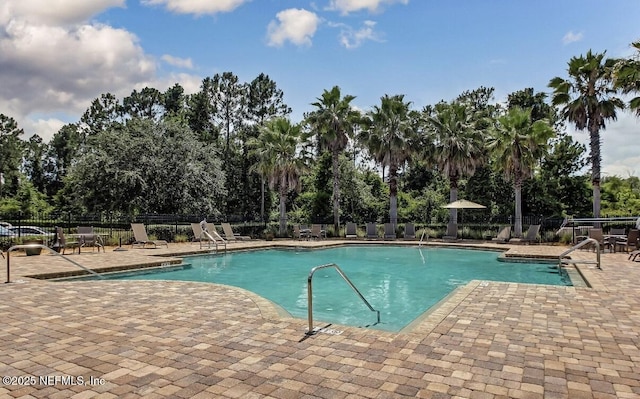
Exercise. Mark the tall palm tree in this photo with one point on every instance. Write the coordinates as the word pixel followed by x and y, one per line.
pixel 588 100
pixel 278 149
pixel 458 146
pixel 388 134
pixel 334 121
pixel 627 77
pixel 518 144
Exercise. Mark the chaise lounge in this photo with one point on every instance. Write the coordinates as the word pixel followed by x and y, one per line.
pixel 141 238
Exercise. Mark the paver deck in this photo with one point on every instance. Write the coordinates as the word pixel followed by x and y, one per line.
pixel 155 339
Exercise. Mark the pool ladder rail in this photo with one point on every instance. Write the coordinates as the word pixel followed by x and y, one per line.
pixel 53 251
pixel 311 330
pixel 579 245
pixel 213 238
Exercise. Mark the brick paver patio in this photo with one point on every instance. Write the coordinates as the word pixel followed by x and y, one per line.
pixel 155 339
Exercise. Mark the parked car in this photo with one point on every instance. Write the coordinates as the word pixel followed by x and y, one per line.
pixel 5 224
pixel 5 232
pixel 30 231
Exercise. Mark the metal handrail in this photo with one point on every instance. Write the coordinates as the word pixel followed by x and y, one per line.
pixel 580 245
pixel 25 246
pixel 213 239
pixel 310 293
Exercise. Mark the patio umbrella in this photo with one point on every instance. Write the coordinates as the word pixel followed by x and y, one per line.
pixel 463 204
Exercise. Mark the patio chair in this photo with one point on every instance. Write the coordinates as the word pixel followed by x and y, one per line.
pixel 351 230
pixel 631 241
pixel 318 232
pixel 530 236
pixel 409 231
pixel 389 231
pixel 88 238
pixel 299 233
pixel 452 232
pixel 64 244
pixel 229 235
pixel 503 235
pixel 597 235
pixel 372 231
pixel 141 238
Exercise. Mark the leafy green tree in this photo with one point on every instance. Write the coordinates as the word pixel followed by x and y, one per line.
pixel 174 101
pixel 588 100
pixel 63 149
pixel 265 101
pixel 171 171
pixel 390 137
pixel 458 145
pixel 278 150
pixel 200 115
pixel 103 112
pixel 147 103
pixel 33 163
pixel 627 77
pixel 228 101
pixel 11 147
pixel 334 121
pixel 518 144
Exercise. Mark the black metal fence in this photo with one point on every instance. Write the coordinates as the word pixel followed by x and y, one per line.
pixel 116 228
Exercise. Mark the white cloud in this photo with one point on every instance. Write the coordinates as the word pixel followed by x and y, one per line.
pixel 295 25
pixel 53 63
pixel 178 62
pixel 54 12
pixel 198 7
pixel 619 146
pixel 572 37
pixel 351 38
pixel 347 6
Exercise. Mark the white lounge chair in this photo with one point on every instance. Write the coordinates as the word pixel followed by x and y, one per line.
pixel 141 238
pixel 229 235
pixel 503 235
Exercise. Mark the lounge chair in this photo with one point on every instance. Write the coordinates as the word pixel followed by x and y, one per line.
pixel 300 233
pixel 409 231
pixel 372 231
pixel 229 235
pixel 452 232
pixel 351 230
pixel 503 235
pixel 318 232
pixel 631 241
pixel 89 238
pixel 141 238
pixel 389 231
pixel 530 236
pixel 64 244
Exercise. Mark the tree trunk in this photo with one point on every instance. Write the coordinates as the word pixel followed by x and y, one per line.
pixel 393 196
pixel 594 144
pixel 262 190
pixel 282 231
pixel 453 196
pixel 517 228
pixel 335 161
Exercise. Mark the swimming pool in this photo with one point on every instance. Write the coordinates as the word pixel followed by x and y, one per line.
pixel 400 282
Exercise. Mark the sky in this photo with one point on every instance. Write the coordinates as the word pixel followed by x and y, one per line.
pixel 56 56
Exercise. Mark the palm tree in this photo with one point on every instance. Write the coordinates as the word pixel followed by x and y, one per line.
pixel 278 149
pixel 388 134
pixel 588 101
pixel 627 77
pixel 458 145
pixel 334 121
pixel 518 144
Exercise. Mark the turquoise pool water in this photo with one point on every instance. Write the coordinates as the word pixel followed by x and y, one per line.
pixel 400 282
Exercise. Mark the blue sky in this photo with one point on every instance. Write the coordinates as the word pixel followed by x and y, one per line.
pixel 58 55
